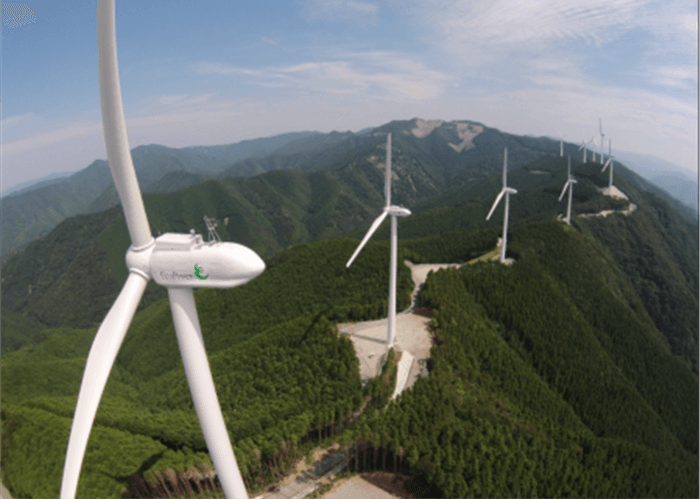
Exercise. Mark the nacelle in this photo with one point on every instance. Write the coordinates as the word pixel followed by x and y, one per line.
pixel 398 211
pixel 185 261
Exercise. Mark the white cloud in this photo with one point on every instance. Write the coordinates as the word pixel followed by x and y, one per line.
pixel 269 41
pixel 376 75
pixel 65 133
pixel 363 13
pixel 15 121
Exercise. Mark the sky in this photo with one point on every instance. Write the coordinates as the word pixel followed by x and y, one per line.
pixel 218 72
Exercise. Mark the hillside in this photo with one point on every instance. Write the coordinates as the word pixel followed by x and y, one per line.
pixel 281 208
pixel 553 363
pixel 547 379
pixel 572 372
pixel 429 153
pixel 32 213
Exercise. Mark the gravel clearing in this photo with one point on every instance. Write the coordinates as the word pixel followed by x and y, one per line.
pixel 412 333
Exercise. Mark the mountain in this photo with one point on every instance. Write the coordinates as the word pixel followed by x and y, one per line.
pixel 438 156
pixel 35 184
pixel 672 178
pixel 548 378
pixel 34 212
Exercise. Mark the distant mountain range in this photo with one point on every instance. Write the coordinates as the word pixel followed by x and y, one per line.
pixel 437 156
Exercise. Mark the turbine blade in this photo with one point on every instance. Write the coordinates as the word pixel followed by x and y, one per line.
pixel 387 179
pixel 606 165
pixel 206 402
pixel 99 363
pixel 564 190
pixel 495 203
pixel 369 234
pixel 118 154
pixel 505 167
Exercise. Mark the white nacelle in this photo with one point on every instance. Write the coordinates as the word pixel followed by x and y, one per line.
pixel 397 211
pixel 185 261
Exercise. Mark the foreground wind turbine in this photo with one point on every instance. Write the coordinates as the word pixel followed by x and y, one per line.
pixel 395 212
pixel 180 262
pixel 602 138
pixel 609 162
pixel 570 181
pixel 507 192
pixel 584 146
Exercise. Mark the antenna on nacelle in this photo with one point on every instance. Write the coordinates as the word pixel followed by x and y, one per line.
pixel 211 227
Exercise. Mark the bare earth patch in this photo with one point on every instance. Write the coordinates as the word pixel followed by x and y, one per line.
pixel 424 127
pixel 356 487
pixel 466 132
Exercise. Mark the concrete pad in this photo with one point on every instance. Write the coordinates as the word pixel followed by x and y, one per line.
pixel 357 488
pixel 402 372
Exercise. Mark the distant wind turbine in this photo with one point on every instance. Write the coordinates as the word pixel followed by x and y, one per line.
pixel 570 181
pixel 507 192
pixel 609 162
pixel 395 212
pixel 561 143
pixel 602 140
pixel 584 146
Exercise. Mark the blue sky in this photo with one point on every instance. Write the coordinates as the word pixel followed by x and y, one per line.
pixel 217 72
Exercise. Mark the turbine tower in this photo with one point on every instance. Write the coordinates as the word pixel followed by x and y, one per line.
pixel 507 192
pixel 602 143
pixel 172 260
pixel 609 162
pixel 395 212
pixel 570 181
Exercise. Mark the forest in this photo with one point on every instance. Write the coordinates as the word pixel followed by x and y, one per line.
pixel 572 372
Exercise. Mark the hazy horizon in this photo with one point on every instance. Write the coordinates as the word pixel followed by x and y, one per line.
pixel 220 72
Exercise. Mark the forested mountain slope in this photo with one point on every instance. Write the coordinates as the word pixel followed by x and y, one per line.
pixel 33 213
pixel 572 372
pixel 547 379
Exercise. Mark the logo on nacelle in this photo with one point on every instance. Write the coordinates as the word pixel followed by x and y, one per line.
pixel 198 270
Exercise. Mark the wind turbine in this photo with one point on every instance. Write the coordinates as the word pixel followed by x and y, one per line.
pixel 561 143
pixel 583 146
pixel 570 181
pixel 602 137
pixel 172 260
pixel 395 212
pixel 609 162
pixel 507 192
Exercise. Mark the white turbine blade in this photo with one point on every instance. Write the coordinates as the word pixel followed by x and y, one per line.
pixel 564 190
pixel 99 363
pixel 369 234
pixel 387 178
pixel 206 403
pixel 505 167
pixel 606 165
pixel 495 203
pixel 116 140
